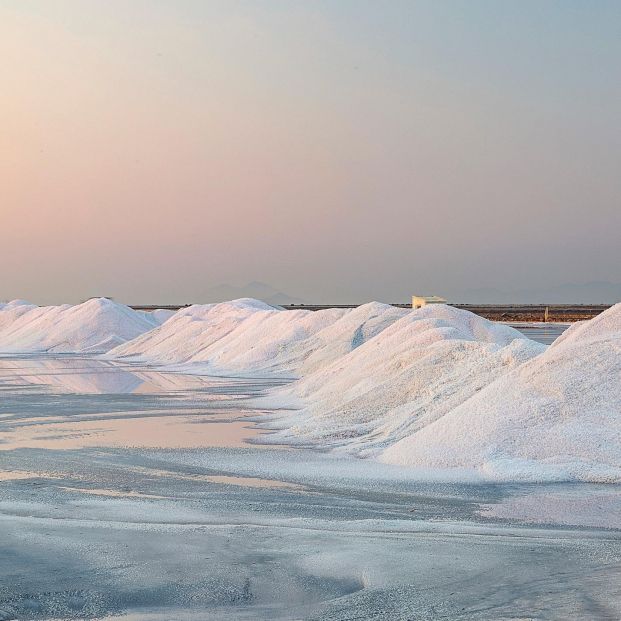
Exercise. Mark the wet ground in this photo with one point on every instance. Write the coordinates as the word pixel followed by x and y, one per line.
pixel 129 493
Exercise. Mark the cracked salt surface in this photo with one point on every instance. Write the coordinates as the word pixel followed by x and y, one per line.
pixel 103 530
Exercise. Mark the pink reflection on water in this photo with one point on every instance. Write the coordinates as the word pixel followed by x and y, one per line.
pixel 148 432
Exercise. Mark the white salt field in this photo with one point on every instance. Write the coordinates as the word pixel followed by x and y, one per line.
pixel 243 462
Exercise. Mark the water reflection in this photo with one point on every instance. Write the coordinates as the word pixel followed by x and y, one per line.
pixel 92 376
pixel 172 431
pixel 76 402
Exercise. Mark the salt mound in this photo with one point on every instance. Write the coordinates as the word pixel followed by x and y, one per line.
pixel 557 416
pixel 293 342
pixel 12 310
pixel 16 303
pixel 156 317
pixel 266 342
pixel 410 374
pixel 248 337
pixel 92 326
pixel 353 329
pixel 189 331
pixel 160 315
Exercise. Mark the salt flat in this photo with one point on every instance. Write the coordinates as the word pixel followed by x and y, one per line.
pixel 95 526
pixel 237 461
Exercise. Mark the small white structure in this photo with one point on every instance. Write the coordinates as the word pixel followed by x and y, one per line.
pixel 418 301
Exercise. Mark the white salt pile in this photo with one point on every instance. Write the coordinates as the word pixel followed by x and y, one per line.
pixel 247 337
pixel 557 416
pixel 409 375
pixel 15 303
pixel 192 329
pixel 353 329
pixel 94 326
pixel 10 311
pixel 436 388
pixel 157 317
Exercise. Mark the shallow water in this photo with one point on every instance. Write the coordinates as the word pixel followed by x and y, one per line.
pixel 149 505
pixel 541 332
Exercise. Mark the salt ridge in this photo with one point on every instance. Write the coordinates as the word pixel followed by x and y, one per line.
pixel 244 337
pixel 556 417
pixel 434 389
pixel 410 374
pixel 94 326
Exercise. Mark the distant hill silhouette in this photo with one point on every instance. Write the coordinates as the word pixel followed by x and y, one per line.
pixel 255 289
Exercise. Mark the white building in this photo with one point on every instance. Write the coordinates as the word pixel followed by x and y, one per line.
pixel 418 301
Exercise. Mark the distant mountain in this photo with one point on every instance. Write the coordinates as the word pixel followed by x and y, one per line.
pixel 255 289
pixel 569 293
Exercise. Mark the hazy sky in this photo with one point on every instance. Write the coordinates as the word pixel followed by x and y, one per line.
pixel 340 150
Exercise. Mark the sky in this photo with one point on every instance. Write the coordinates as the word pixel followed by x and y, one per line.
pixel 341 151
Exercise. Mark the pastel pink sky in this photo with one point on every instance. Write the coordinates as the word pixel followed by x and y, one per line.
pixel 340 151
